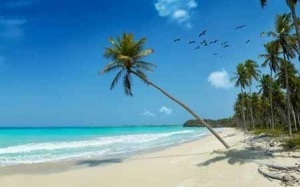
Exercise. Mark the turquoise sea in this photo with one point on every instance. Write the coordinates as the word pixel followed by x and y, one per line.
pixel 37 145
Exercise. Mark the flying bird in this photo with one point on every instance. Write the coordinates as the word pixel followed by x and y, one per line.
pixel 197 47
pixel 224 43
pixel 248 41
pixel 202 33
pixel 203 42
pixel 215 54
pixel 177 40
pixel 225 46
pixel 213 42
pixel 191 42
pixel 240 27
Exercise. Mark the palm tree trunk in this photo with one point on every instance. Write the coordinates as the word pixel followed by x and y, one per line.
pixel 294 117
pixel 251 109
pixel 185 107
pixel 295 19
pixel 271 102
pixel 243 109
pixel 287 96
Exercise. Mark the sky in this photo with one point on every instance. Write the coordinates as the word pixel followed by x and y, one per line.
pixel 51 52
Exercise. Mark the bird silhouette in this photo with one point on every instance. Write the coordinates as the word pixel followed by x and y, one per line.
pixel 177 40
pixel 203 42
pixel 191 42
pixel 240 27
pixel 224 43
pixel 225 46
pixel 248 41
pixel 197 47
pixel 215 54
pixel 202 33
pixel 213 42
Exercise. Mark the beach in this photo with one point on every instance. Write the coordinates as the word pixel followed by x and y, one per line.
pixel 197 163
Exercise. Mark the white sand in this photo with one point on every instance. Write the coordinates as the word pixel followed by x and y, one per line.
pixel 191 164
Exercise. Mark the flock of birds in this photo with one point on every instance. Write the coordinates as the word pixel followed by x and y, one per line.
pixel 206 43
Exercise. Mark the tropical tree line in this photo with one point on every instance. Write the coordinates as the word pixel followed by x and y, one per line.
pixel 276 103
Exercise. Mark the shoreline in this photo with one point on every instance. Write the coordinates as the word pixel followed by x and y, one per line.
pixel 196 163
pixel 71 164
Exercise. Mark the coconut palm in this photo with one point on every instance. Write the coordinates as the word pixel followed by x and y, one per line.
pixel 127 57
pixel 286 40
pixel 292 5
pixel 253 73
pixel 272 59
pixel 241 77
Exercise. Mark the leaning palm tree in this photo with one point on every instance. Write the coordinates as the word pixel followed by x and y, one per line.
pixel 242 81
pixel 292 5
pixel 272 59
pixel 252 73
pixel 127 57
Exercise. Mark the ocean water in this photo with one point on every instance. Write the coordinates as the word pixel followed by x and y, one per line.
pixel 38 145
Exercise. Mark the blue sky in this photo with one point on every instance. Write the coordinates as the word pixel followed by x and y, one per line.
pixel 51 52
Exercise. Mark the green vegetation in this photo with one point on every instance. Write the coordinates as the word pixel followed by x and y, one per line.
pixel 276 104
pixel 226 122
pixel 275 108
pixel 273 133
pixel 126 57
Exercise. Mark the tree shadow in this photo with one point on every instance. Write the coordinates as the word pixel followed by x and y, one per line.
pixel 237 157
pixel 94 163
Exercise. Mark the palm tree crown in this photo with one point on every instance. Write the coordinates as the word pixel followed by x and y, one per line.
pixel 127 57
pixel 252 70
pixel 272 56
pixel 241 76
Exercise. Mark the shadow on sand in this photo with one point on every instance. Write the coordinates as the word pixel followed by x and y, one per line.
pixel 236 157
pixel 94 163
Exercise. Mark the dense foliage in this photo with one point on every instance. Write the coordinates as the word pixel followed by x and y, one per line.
pixel 276 103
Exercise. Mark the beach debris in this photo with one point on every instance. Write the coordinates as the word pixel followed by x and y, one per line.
pixel 289 175
pixel 240 27
pixel 203 33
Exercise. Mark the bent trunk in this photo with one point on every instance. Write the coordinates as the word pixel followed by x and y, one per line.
pixel 186 108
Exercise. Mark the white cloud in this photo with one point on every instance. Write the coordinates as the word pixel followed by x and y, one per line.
pixel 166 111
pixel 147 113
pixel 220 79
pixel 177 10
pixel 11 28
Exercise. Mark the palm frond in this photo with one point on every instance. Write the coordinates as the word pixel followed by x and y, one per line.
pixel 127 84
pixel 144 53
pixel 126 55
pixel 116 79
